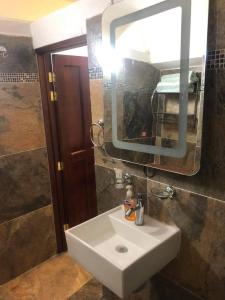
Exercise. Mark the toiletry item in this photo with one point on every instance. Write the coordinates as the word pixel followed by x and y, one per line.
pixel 139 211
pixel 129 204
pixel 119 184
pixel 129 208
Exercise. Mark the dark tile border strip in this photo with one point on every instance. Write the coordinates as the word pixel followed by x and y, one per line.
pixel 96 73
pixel 19 77
pixel 216 59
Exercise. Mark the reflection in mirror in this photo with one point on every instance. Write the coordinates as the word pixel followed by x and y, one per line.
pixel 147 120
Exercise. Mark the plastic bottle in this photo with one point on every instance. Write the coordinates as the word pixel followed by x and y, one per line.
pixel 130 203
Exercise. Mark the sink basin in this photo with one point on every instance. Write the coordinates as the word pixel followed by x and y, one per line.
pixel 121 255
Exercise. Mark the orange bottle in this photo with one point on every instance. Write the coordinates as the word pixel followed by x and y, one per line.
pixel 129 204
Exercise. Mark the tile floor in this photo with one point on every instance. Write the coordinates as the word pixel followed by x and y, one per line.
pixel 56 279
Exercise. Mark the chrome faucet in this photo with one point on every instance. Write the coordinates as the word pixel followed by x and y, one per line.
pixel 139 211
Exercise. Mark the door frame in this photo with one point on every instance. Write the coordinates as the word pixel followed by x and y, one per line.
pixel 50 124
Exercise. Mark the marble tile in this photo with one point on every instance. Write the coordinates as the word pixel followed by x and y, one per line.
pixel 96 92
pixel 215 279
pixel 212 25
pixel 90 291
pixel 25 242
pixel 163 289
pixel 220 92
pixel 143 293
pixel 93 290
pixel 24 184
pixel 220 28
pixel 107 113
pixel 20 55
pixel 57 278
pixel 94 38
pixel 200 264
pixel 21 120
pixel 107 195
pixel 103 159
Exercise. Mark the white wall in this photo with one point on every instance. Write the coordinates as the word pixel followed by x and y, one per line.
pixel 159 35
pixel 80 51
pixel 14 27
pixel 66 23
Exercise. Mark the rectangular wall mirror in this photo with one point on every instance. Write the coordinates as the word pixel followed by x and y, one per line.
pixel 153 58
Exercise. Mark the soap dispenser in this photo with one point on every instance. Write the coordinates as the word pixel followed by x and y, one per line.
pixel 139 211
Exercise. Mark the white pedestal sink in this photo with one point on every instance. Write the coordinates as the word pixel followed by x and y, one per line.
pixel 121 255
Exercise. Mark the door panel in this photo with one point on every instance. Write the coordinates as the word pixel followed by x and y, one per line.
pixel 71 104
pixel 74 119
pixel 82 188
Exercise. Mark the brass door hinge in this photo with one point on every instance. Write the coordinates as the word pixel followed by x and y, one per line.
pixel 60 166
pixel 53 96
pixel 51 77
pixel 66 227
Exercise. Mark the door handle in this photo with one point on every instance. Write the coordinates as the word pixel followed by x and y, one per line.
pixel 78 152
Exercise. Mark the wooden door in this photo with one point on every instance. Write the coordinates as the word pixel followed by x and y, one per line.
pixel 73 115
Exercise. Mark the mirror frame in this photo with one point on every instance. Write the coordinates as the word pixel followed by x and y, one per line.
pixel 117 12
pixel 181 148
